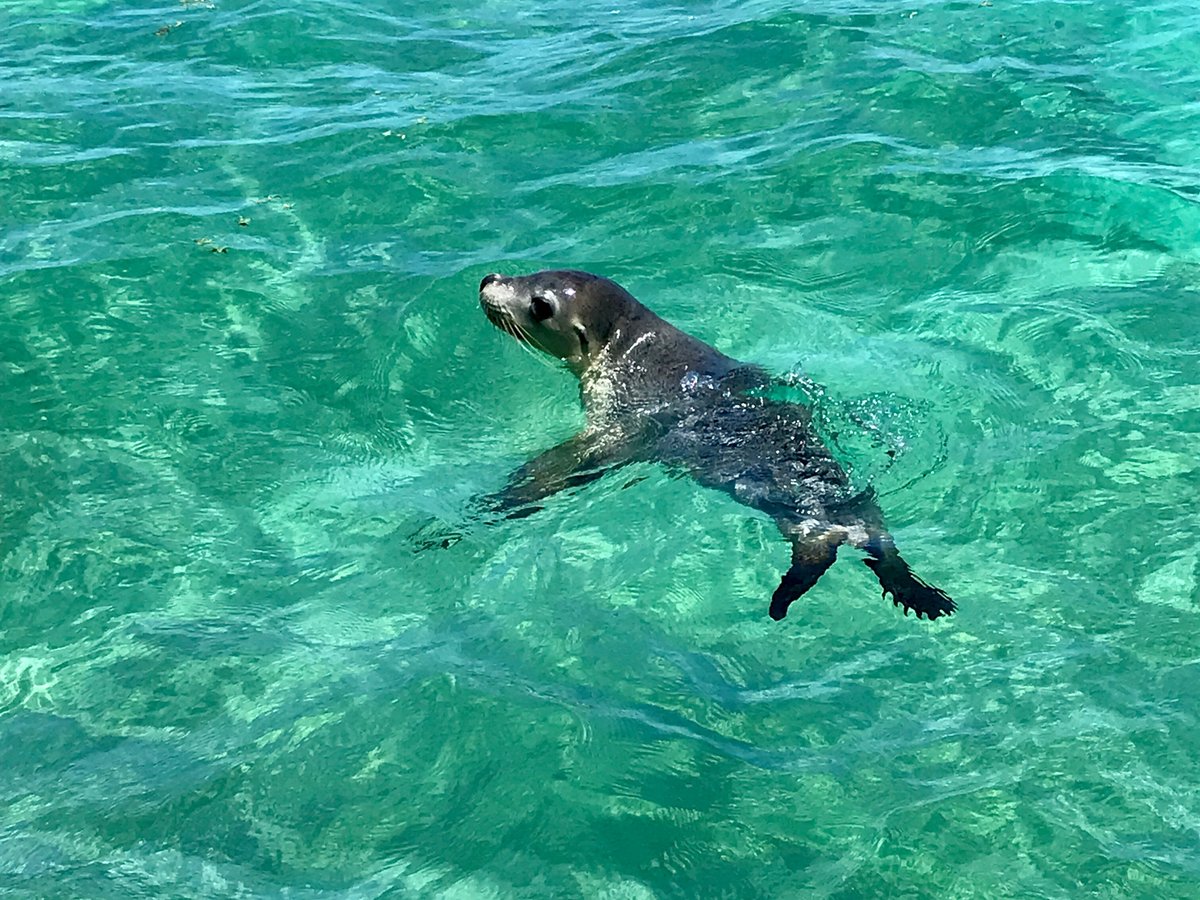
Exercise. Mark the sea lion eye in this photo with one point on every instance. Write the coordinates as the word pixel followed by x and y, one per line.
pixel 540 309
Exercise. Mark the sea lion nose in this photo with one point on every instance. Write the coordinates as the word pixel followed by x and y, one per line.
pixel 488 279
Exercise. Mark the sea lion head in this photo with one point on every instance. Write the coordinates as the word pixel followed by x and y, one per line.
pixel 569 314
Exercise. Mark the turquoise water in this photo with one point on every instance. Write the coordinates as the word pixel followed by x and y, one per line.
pixel 242 364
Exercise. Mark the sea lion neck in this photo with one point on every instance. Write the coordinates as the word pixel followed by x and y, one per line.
pixel 647 366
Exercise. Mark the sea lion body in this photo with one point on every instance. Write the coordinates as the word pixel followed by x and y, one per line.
pixel 655 393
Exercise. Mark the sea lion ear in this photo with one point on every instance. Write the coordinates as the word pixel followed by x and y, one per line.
pixel 581 333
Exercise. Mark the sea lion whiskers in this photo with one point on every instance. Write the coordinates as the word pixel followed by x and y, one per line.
pixel 527 341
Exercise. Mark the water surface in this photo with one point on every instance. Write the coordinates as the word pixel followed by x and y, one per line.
pixel 242 363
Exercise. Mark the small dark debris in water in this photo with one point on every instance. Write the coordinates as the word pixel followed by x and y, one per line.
pixel 212 247
pixel 167 29
pixel 243 221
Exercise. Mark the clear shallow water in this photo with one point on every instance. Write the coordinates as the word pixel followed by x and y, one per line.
pixel 225 672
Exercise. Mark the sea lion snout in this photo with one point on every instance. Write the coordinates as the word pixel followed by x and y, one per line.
pixel 496 296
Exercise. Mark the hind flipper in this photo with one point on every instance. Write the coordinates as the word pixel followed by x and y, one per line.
pixel 810 559
pixel 907 589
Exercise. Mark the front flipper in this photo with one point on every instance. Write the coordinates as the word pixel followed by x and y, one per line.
pixel 571 464
pixel 810 559
pixel 907 589
pixel 434 534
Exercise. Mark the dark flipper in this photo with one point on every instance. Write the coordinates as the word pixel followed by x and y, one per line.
pixel 810 559
pixel 907 589
pixel 434 534
pixel 571 464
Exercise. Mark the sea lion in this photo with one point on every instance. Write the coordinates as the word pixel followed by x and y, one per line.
pixel 654 393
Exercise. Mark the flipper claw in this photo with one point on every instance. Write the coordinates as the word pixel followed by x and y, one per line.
pixel 908 590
